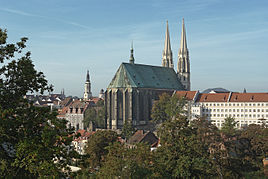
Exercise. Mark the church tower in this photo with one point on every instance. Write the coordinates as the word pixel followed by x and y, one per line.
pixel 87 93
pixel 131 59
pixel 167 60
pixel 183 70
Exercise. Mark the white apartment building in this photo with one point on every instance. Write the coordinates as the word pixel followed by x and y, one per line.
pixel 245 108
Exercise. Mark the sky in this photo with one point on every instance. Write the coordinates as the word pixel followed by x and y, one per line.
pixel 227 39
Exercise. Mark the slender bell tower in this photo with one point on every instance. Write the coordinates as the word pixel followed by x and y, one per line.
pixel 87 93
pixel 183 70
pixel 167 60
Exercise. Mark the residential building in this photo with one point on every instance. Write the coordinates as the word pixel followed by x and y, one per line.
pixel 245 108
pixel 80 142
pixel 75 114
pixel 141 136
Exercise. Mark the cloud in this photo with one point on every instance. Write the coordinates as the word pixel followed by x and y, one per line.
pixel 23 13
pixel 13 11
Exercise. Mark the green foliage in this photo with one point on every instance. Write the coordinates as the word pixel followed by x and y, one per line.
pixel 258 144
pixel 181 154
pixel 168 107
pixel 96 147
pixel 90 116
pixel 100 103
pixel 228 127
pixel 127 130
pixel 123 162
pixel 196 149
pixel 96 115
pixel 33 142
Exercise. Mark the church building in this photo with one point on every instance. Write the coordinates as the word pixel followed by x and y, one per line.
pixel 134 88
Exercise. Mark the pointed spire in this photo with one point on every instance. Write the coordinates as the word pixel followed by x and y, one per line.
pixel 131 59
pixel 87 80
pixel 183 38
pixel 183 68
pixel 167 48
pixel 167 53
pixel 244 91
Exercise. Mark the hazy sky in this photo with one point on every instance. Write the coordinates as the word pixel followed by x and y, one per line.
pixel 227 39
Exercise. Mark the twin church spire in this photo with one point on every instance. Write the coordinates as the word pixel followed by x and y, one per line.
pixel 167 60
pixel 183 67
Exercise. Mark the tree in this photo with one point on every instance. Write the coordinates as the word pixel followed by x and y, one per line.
pixel 96 115
pixel 257 136
pixel 168 107
pixel 181 154
pixel 90 116
pixel 123 162
pixel 228 127
pixel 127 130
pixel 33 142
pixel 96 147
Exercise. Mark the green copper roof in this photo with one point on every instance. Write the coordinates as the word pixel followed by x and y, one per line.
pixel 145 76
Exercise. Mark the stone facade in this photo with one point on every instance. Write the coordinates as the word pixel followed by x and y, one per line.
pixel 75 114
pixel 130 104
pixel 132 92
pixel 183 68
pixel 135 87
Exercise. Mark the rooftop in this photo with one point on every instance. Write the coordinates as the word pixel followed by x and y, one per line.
pixel 145 76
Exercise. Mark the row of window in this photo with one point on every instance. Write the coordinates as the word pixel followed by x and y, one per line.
pixel 233 110
pixel 75 110
pixel 238 115
pixel 243 121
pixel 236 104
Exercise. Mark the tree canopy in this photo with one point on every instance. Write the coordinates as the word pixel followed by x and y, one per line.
pixel 33 142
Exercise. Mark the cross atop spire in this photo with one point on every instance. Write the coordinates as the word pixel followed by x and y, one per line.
pixel 131 59
pixel 167 53
pixel 183 38
pixel 87 79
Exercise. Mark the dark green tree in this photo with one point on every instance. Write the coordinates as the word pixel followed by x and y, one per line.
pixel 181 154
pixel 127 130
pixel 96 147
pixel 33 142
pixel 229 127
pixel 123 162
pixel 257 150
pixel 96 115
pixel 168 107
pixel 90 116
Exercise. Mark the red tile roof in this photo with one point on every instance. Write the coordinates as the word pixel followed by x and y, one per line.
pixel 84 134
pixel 249 97
pixel 213 97
pixel 189 95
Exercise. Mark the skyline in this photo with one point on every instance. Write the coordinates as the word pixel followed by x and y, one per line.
pixel 227 42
